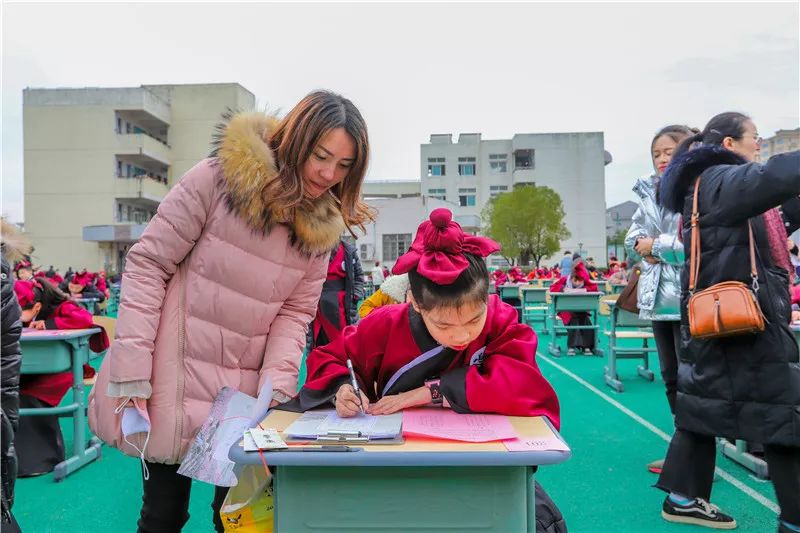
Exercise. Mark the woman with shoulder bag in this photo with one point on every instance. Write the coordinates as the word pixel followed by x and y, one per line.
pixel 221 286
pixel 745 386
pixel 653 240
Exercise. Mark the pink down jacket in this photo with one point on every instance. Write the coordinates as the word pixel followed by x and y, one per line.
pixel 217 292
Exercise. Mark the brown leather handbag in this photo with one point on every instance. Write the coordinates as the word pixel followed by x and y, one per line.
pixel 629 297
pixel 726 309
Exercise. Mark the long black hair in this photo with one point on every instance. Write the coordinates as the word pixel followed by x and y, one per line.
pixel 696 153
pixel 471 286
pixel 729 124
pixel 48 295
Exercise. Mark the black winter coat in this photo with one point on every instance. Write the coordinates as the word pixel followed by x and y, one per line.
pixel 10 362
pixel 745 387
pixel 353 283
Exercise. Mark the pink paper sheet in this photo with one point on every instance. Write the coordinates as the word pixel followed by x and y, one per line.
pixel 445 424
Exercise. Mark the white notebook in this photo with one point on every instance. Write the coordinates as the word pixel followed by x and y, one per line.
pixel 313 424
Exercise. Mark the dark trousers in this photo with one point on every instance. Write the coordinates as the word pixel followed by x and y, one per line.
pixel 689 471
pixel 38 441
pixel 165 502
pixel 580 338
pixel 667 335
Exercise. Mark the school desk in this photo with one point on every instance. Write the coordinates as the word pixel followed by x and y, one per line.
pixel 421 485
pixel 51 351
pixel 573 302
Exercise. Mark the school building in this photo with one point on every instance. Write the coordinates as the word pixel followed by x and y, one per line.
pixel 98 161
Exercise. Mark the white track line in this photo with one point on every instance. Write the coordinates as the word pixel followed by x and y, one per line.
pixel 766 502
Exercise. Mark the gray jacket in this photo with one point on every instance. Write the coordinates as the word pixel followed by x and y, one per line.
pixel 660 284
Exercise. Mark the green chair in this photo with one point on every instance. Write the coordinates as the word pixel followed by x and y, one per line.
pixel 510 295
pixel 534 306
pixel 642 332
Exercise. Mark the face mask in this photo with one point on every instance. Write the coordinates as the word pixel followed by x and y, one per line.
pixel 135 420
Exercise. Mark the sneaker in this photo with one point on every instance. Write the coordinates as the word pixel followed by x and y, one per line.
pixel 587 351
pixel 656 466
pixel 698 512
pixel 571 351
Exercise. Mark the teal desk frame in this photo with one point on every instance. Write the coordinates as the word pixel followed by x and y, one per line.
pixel 622 318
pixel 422 491
pixel 48 352
pixel 576 302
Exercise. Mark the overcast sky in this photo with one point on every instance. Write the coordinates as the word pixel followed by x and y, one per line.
pixel 417 69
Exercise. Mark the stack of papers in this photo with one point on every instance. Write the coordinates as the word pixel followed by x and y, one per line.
pixel 313 424
pixel 445 424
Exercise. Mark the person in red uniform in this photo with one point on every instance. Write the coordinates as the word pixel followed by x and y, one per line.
pixel 39 443
pixel 577 339
pixel 450 345
pixel 516 275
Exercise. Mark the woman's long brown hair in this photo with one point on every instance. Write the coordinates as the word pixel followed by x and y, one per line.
pixel 295 139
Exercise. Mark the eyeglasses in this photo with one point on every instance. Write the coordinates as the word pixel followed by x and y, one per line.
pixel 757 138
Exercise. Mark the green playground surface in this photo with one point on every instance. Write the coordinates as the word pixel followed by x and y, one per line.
pixel 604 487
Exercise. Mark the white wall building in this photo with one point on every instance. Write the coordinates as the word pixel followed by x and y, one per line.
pixel 471 171
pixel 391 234
pixel 98 161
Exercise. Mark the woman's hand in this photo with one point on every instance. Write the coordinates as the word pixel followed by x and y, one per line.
pixel 397 402
pixel 346 401
pixel 37 324
pixel 644 246
pixel 795 316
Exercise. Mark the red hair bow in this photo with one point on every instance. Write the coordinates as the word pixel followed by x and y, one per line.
pixel 439 247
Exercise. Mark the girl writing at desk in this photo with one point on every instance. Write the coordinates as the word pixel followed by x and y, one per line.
pixel 39 443
pixel 450 345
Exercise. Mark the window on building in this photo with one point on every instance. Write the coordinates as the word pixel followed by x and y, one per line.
pixel 441 194
pixel 436 166
pixel 119 125
pixel 523 159
pixel 119 212
pixel 494 190
pixel 119 168
pixel 466 166
pixel 395 245
pixel 466 197
pixel 498 163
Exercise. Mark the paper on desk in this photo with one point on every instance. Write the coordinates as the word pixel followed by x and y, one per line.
pixel 315 423
pixel 535 444
pixel 446 424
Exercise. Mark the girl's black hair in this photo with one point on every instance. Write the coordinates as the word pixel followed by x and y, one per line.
pixel 472 286
pixel 49 296
pixel 729 124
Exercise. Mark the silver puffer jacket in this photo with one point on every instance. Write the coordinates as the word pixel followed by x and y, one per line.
pixel 659 284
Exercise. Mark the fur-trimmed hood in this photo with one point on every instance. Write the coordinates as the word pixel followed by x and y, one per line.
pixel 249 169
pixel 395 287
pixel 684 169
pixel 15 244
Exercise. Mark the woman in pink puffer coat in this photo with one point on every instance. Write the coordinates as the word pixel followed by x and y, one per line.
pixel 221 286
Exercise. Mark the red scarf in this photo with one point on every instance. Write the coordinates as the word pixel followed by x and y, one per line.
pixel 776 231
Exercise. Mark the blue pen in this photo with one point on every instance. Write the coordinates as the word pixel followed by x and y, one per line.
pixel 354 383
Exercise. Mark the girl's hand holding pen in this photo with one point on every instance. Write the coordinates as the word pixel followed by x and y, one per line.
pixel 346 401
